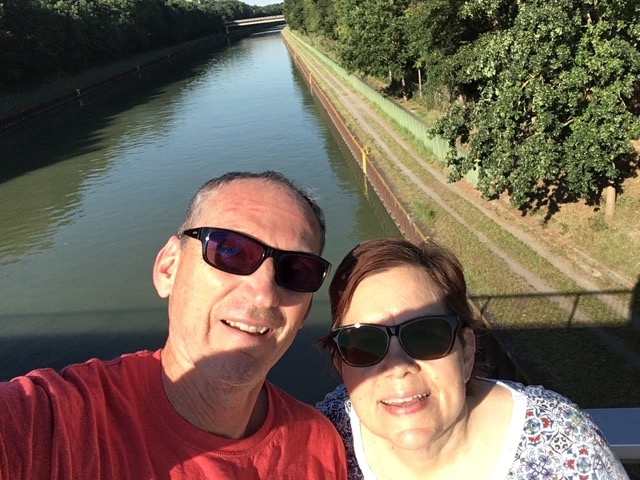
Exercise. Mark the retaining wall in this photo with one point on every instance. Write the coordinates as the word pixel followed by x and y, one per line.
pixel 376 178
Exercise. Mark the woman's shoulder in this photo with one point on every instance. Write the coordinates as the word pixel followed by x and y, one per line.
pixel 334 403
pixel 336 406
pixel 542 403
pixel 556 428
pixel 542 399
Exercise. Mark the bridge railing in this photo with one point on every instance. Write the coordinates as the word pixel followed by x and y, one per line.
pixel 621 428
pixel 255 20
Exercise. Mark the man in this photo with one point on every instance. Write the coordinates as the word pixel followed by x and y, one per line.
pixel 239 279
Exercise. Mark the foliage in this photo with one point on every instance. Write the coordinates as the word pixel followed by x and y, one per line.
pixel 311 16
pixel 434 31
pixel 371 37
pixel 553 114
pixel 42 38
pixel 545 94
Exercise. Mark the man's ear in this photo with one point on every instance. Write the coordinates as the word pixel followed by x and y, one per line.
pixel 165 267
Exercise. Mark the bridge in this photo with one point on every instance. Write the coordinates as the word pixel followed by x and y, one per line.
pixel 246 22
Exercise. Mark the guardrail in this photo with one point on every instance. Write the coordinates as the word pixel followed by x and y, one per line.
pixel 621 428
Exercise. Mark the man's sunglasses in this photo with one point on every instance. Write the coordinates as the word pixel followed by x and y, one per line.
pixel 423 338
pixel 237 253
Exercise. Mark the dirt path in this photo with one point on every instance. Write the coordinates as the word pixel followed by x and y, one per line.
pixel 572 263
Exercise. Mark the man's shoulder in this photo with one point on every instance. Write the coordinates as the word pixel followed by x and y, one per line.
pixel 90 374
pixel 127 362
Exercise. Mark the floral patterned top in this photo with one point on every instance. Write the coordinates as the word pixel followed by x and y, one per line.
pixel 549 438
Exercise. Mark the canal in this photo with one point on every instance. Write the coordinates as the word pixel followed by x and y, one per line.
pixel 88 197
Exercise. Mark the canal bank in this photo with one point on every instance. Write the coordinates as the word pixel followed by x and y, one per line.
pixel 550 321
pixel 74 90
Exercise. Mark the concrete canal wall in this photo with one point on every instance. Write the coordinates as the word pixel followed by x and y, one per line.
pixel 398 211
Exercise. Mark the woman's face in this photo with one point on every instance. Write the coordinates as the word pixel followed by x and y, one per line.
pixel 409 403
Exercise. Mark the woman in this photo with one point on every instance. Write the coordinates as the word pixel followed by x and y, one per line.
pixel 403 337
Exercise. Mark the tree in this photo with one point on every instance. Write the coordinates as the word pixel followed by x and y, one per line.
pixel 43 38
pixel 371 37
pixel 552 110
pixel 434 31
pixel 312 17
pixel 294 14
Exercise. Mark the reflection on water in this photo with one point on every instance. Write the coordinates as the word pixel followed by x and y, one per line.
pixel 88 198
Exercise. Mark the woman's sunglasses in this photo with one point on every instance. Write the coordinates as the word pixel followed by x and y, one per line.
pixel 423 338
pixel 237 253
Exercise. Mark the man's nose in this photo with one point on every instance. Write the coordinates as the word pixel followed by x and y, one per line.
pixel 265 290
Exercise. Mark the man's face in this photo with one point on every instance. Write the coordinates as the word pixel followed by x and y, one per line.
pixel 215 317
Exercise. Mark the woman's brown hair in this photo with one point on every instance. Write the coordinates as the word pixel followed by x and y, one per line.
pixel 374 256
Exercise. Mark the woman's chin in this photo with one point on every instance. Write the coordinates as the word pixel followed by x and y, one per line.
pixel 412 439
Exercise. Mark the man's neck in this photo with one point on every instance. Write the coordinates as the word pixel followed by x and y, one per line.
pixel 223 410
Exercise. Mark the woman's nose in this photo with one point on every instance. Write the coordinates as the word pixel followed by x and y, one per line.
pixel 397 360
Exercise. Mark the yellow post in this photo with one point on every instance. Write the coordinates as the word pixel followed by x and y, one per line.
pixel 364 159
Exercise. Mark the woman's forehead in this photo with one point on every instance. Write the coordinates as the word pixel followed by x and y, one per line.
pixel 395 294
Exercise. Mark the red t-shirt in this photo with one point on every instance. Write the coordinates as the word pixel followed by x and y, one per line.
pixel 112 420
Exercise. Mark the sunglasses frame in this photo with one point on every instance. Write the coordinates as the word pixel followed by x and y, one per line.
pixel 396 331
pixel 203 234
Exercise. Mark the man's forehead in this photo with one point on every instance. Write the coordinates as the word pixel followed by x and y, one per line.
pixel 256 195
pixel 254 184
pixel 253 191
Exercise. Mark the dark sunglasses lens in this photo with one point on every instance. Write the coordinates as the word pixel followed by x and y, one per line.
pixel 362 346
pixel 427 339
pixel 301 273
pixel 233 253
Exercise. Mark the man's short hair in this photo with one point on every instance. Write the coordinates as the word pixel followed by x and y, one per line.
pixel 206 189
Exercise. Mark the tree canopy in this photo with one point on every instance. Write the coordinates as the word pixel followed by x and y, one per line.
pixel 544 94
pixel 371 37
pixel 553 106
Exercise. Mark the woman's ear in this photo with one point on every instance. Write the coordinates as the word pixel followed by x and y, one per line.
pixel 165 267
pixel 468 352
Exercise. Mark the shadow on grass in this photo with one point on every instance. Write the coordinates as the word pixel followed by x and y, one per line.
pixel 594 362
